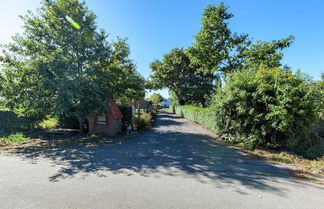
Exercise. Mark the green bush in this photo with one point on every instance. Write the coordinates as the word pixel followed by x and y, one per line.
pixel 172 109
pixel 267 108
pixel 11 121
pixel 49 123
pixel 2 104
pixel 143 122
pixel 153 111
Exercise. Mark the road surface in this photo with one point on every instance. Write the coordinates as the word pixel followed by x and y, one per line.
pixel 176 164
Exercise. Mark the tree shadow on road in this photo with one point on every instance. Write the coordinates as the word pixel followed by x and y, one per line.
pixel 162 151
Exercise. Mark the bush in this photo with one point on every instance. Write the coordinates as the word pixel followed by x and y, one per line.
pixel 49 123
pixel 267 108
pixel 11 121
pixel 143 122
pixel 2 104
pixel 153 112
pixel 172 109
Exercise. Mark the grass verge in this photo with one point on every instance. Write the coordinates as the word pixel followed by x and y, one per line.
pixel 315 166
pixel 14 139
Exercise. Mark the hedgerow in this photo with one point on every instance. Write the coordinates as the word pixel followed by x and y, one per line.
pixel 11 121
pixel 198 115
pixel 271 108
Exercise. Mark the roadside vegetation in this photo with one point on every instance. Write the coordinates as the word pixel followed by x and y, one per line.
pixel 13 139
pixel 315 166
pixel 63 66
pixel 60 69
pixel 15 129
pixel 244 94
pixel 311 160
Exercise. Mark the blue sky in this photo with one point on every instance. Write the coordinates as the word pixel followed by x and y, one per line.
pixel 156 26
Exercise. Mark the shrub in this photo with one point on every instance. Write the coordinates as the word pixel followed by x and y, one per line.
pixel 266 108
pixel 11 121
pixel 2 104
pixel 15 138
pixel 143 121
pixel 153 111
pixel 49 123
pixel 172 109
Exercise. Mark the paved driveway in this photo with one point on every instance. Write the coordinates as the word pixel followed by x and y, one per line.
pixel 174 165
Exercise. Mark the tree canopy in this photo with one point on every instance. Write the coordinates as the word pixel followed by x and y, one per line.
pixel 216 47
pixel 194 74
pixel 155 98
pixel 56 67
pixel 218 50
pixel 176 73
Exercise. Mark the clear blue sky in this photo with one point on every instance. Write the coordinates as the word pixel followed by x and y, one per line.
pixel 156 26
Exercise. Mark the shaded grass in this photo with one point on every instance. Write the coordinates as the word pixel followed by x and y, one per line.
pixel 15 129
pixel 14 139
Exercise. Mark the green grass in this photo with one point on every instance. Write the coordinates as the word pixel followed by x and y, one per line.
pixel 48 123
pixel 14 138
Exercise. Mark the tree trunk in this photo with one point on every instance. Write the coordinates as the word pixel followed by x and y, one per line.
pixel 81 123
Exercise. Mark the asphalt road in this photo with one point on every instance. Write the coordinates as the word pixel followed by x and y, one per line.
pixel 176 165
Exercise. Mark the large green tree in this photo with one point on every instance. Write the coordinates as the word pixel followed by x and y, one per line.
pixel 216 47
pixel 218 50
pixel 131 85
pixel 176 73
pixel 62 63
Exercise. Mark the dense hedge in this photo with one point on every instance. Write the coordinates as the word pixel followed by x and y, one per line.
pixel 270 108
pixel 10 121
pixel 196 114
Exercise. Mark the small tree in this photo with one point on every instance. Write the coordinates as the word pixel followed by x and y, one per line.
pixel 155 98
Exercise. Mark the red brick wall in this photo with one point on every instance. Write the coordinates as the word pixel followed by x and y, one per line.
pixel 113 121
pixel 111 128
